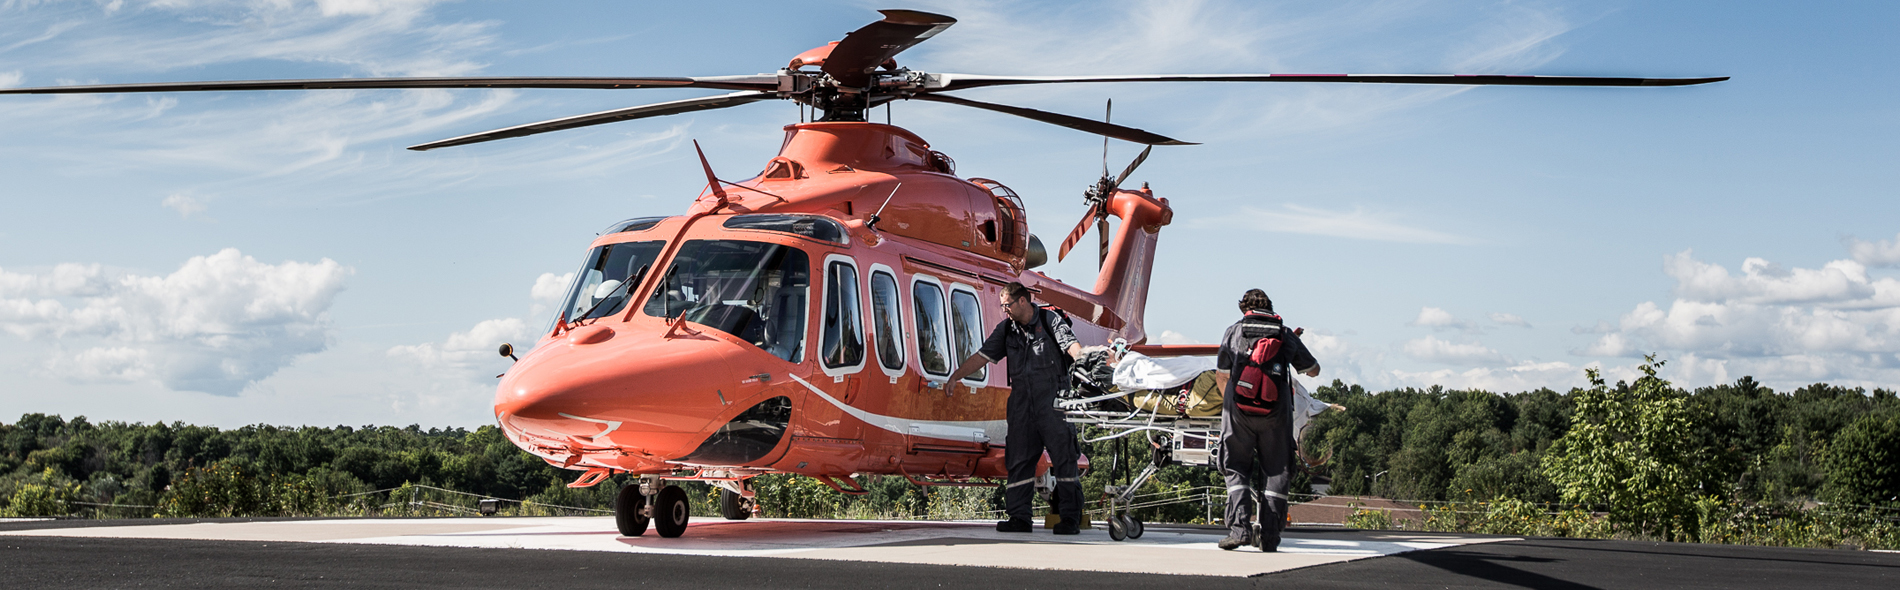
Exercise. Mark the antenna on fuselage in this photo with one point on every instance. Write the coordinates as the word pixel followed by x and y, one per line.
pixel 712 182
pixel 872 222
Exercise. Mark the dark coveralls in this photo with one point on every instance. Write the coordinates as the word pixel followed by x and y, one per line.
pixel 1246 438
pixel 1036 375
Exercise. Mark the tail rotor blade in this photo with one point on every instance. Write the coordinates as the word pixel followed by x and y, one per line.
pixel 1108 115
pixel 1081 229
pixel 1101 231
pixel 1132 165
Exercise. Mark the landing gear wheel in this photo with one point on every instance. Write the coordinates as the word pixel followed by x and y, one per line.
pixel 1116 531
pixel 1135 528
pixel 627 506
pixel 733 506
pixel 670 511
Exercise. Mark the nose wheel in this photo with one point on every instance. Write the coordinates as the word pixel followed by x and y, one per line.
pixel 630 511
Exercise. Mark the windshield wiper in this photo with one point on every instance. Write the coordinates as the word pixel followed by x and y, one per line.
pixel 628 284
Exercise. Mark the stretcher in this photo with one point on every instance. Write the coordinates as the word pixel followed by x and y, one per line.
pixel 1170 403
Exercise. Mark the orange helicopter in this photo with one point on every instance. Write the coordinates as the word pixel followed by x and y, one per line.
pixel 787 323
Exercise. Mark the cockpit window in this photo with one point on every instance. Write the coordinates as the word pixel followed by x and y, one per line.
pixel 810 226
pixel 635 224
pixel 755 291
pixel 598 287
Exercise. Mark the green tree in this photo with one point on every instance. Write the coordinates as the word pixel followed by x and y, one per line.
pixel 1861 463
pixel 1632 447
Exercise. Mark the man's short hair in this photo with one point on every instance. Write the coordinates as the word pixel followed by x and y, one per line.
pixel 1016 291
pixel 1255 299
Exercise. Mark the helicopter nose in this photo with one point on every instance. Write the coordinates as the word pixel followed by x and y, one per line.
pixel 607 388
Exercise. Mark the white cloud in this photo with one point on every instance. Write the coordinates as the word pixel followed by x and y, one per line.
pixel 470 354
pixel 469 358
pixel 1358 224
pixel 1508 319
pixel 1785 327
pixel 11 79
pixel 1172 337
pixel 369 7
pixel 1439 319
pixel 1766 282
pixel 1521 377
pixel 549 288
pixel 216 325
pixel 1881 254
pixel 184 204
pixel 1431 349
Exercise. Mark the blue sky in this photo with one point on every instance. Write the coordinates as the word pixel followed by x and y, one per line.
pixel 237 258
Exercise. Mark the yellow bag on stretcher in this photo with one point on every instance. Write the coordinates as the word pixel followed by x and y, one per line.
pixel 1198 399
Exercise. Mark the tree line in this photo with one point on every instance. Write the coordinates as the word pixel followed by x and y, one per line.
pixel 1738 462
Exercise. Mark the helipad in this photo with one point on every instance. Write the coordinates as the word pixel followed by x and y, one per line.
pixel 1162 550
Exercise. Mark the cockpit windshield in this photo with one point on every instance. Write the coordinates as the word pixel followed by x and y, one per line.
pixel 755 291
pixel 598 286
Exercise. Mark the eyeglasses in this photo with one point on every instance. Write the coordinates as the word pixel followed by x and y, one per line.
pixel 1010 303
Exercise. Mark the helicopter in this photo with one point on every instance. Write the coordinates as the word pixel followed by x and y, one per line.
pixel 789 322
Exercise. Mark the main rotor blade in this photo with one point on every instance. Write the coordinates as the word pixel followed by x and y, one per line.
pixel 945 82
pixel 761 82
pixel 616 115
pixel 1077 123
pixel 863 50
pixel 1132 165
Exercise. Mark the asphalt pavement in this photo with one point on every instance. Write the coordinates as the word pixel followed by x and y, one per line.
pixel 105 562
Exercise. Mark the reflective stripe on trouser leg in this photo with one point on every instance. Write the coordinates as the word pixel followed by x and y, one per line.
pixel 1020 483
pixel 1276 494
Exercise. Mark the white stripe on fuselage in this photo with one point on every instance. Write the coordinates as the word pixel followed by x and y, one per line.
pixel 993 431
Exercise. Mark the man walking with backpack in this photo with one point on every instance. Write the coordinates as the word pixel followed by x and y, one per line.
pixel 1256 428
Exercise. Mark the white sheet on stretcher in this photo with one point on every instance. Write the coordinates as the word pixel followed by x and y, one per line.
pixel 1138 371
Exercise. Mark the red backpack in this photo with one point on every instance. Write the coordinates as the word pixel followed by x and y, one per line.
pixel 1254 390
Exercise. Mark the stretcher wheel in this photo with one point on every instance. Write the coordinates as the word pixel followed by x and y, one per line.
pixel 1116 530
pixel 627 506
pixel 1135 528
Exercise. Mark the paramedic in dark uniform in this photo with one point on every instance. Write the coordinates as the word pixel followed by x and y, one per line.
pixel 1246 438
pixel 1034 340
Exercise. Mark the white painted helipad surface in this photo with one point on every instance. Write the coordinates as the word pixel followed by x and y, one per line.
pixel 1161 550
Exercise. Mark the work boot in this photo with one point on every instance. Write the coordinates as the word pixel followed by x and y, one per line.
pixel 1067 528
pixel 1270 544
pixel 1013 525
pixel 1233 542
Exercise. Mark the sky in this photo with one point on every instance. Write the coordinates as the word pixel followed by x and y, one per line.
pixel 278 257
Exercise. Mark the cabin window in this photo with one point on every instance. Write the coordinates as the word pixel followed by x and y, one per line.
pixel 887 321
pixel 933 337
pixel 598 289
pixel 966 320
pixel 842 342
pixel 755 291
